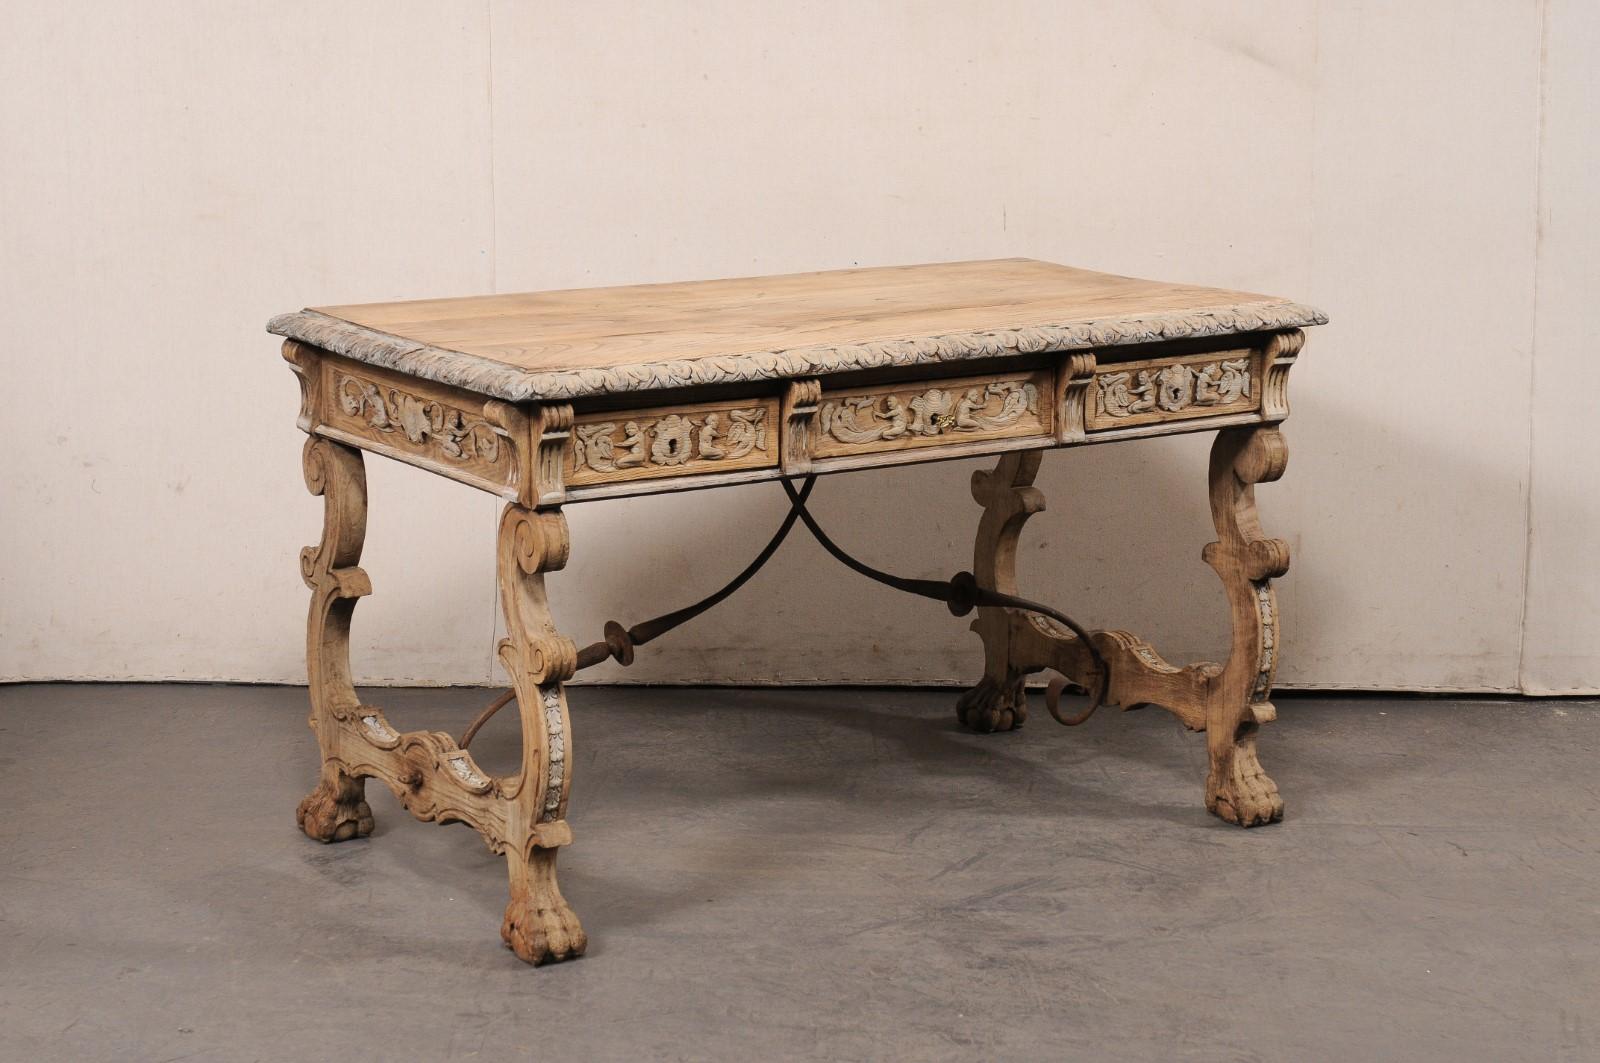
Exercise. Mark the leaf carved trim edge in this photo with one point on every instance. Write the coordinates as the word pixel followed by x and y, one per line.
pixel 496 379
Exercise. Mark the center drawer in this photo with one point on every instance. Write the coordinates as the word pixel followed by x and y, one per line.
pixel 914 415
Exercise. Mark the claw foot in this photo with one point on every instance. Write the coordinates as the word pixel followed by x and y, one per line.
pixel 1244 794
pixel 992 706
pixel 542 932
pixel 336 812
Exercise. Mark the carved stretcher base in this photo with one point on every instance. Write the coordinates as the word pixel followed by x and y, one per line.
pixel 436 781
pixel 1227 701
pixel 523 815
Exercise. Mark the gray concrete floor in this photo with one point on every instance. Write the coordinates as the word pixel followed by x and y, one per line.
pixel 837 874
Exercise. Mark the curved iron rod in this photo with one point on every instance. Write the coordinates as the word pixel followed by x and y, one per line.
pixel 619 643
pixel 643 632
pixel 927 588
pixel 483 717
pixel 961 593
pixel 1052 701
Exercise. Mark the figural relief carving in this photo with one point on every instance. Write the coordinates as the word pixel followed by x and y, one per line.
pixel 423 422
pixel 857 419
pixel 672 440
pixel 1174 387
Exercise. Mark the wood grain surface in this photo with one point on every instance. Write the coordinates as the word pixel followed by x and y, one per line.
pixel 593 327
pixel 566 344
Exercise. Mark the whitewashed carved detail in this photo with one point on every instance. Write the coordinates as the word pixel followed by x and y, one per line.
pixel 1269 649
pixel 1174 387
pixel 379 728
pixel 551 697
pixel 672 440
pixel 467 773
pixel 423 422
pixel 984 408
pixel 1152 659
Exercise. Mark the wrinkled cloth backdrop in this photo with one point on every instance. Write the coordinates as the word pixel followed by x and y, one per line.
pixel 176 173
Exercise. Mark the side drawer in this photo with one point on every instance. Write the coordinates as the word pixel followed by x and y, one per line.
pixel 1127 394
pixel 479 441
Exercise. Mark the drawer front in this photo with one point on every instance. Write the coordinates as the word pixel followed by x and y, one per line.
pixel 688 440
pixel 1128 394
pixel 933 414
pixel 451 432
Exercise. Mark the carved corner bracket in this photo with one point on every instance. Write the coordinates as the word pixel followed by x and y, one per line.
pixel 1074 374
pixel 304 361
pixel 1277 359
pixel 550 429
pixel 800 403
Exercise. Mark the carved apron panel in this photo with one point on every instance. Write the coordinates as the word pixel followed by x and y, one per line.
pixel 933 413
pixel 672 441
pixel 1171 389
pixel 419 422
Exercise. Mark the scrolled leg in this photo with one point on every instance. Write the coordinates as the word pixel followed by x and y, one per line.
pixel 1237 789
pixel 336 810
pixel 539 925
pixel 999 702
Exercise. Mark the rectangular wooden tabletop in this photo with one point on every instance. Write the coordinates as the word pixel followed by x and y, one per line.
pixel 561 345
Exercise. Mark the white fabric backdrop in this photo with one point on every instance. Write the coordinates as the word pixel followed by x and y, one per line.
pixel 171 174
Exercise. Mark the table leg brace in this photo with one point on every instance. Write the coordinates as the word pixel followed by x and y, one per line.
pixel 522 816
pixel 1227 701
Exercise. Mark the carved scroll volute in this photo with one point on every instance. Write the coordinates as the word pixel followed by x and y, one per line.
pixel 331 569
pixel 306 364
pixel 1074 375
pixel 1008 498
pixel 1282 348
pixel 1240 459
pixel 800 404
pixel 539 923
pixel 1246 559
pixel 536 657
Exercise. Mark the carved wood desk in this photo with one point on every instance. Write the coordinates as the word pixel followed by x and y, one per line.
pixel 552 398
